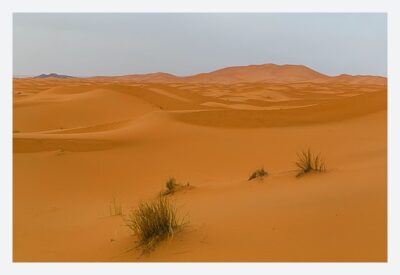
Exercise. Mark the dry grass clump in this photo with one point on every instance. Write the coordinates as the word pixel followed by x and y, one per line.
pixel 153 222
pixel 171 186
pixel 309 162
pixel 259 173
pixel 60 152
pixel 115 208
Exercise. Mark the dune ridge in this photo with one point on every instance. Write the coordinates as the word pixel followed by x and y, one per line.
pixel 264 73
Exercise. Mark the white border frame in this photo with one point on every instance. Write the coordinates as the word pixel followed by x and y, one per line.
pixel 8 7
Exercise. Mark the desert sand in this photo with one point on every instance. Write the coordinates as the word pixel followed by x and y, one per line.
pixel 79 143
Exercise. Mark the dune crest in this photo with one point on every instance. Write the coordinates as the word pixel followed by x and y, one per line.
pixel 264 73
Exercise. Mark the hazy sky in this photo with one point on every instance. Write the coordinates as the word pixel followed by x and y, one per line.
pixel 184 44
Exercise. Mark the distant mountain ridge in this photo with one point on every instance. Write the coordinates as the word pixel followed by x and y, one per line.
pixel 53 75
pixel 267 73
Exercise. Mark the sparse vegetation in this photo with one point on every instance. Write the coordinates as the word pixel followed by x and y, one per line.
pixel 259 173
pixel 115 208
pixel 309 162
pixel 153 222
pixel 60 152
pixel 171 186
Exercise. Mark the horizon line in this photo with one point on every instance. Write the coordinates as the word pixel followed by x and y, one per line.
pixel 183 76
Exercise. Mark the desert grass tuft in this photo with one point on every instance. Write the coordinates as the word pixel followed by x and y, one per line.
pixel 115 208
pixel 259 173
pixel 171 186
pixel 60 152
pixel 309 162
pixel 153 222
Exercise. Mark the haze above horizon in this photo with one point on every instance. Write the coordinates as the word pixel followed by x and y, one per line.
pixel 186 44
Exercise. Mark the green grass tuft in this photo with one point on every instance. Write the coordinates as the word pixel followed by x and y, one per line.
pixel 153 222
pixel 309 162
pixel 259 173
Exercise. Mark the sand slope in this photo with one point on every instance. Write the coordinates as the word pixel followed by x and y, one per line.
pixel 80 143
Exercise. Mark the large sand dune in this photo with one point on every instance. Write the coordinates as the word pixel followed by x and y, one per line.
pixel 80 142
pixel 265 73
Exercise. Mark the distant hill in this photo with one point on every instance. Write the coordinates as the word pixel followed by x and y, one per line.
pixel 270 73
pixel 265 73
pixel 53 75
pixel 152 77
pixel 358 79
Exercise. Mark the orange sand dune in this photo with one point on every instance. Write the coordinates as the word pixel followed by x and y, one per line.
pixel 152 77
pixel 266 73
pixel 258 73
pixel 335 110
pixel 356 79
pixel 80 143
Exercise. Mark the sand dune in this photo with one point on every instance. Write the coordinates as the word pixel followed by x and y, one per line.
pixel 335 110
pixel 359 79
pixel 258 73
pixel 151 77
pixel 266 73
pixel 57 109
pixel 79 143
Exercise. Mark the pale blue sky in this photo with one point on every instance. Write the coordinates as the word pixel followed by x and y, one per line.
pixel 184 44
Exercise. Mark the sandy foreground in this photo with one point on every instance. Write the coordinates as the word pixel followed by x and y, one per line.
pixel 80 143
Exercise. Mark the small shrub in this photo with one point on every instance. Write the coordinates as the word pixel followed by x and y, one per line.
pixel 60 152
pixel 172 186
pixel 153 222
pixel 259 173
pixel 308 162
pixel 115 208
